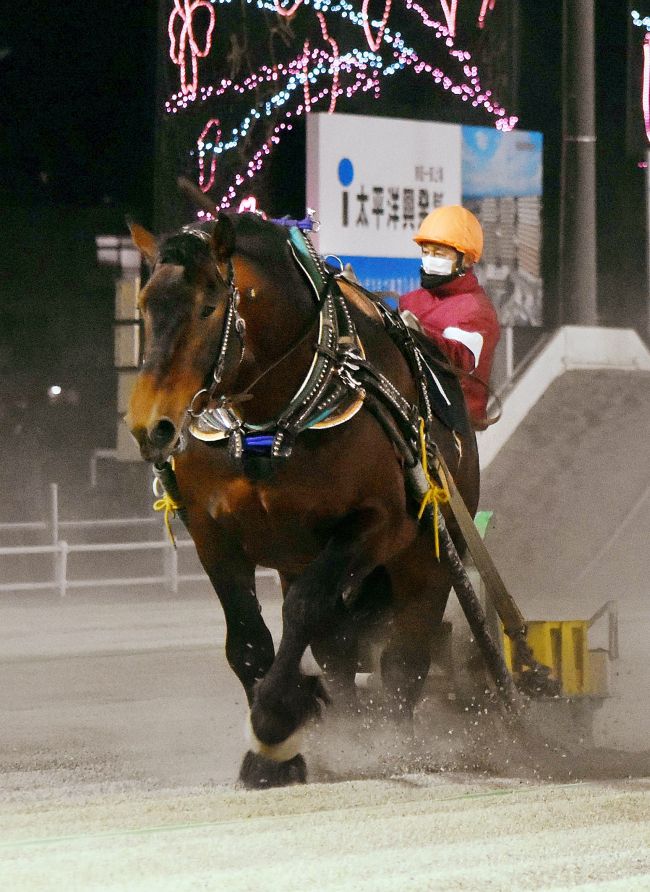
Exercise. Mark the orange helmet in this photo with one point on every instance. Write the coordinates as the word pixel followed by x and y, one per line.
pixel 455 227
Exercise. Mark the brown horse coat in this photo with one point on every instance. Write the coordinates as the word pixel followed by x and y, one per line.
pixel 332 518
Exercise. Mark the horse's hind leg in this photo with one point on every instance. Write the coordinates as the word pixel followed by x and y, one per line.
pixel 337 648
pixel 421 587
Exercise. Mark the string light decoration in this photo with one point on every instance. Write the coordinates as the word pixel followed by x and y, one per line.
pixel 184 14
pixel 204 148
pixel 640 21
pixel 374 42
pixel 249 204
pixel 293 58
pixel 450 10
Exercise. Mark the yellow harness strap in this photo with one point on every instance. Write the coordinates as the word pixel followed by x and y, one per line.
pixel 435 495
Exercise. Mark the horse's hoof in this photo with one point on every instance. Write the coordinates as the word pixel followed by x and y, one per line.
pixel 258 773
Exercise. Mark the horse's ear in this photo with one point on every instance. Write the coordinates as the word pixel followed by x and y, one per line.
pixel 223 238
pixel 144 241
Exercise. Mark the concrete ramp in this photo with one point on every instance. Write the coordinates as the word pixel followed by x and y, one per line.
pixel 570 347
pixel 571 494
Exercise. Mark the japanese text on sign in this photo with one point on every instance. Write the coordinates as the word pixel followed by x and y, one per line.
pixel 388 207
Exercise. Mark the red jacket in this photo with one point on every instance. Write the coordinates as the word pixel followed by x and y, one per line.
pixel 461 320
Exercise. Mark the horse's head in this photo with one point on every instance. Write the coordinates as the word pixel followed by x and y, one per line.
pixel 193 322
pixel 185 308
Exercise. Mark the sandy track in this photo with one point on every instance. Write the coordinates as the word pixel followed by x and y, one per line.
pixel 409 833
pixel 114 762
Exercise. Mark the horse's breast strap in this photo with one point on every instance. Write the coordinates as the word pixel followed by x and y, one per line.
pixel 326 398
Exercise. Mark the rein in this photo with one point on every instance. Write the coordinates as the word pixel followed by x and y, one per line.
pixel 246 394
pixel 325 397
pixel 234 323
pixel 461 373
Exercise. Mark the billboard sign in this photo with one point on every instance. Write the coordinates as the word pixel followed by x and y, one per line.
pixel 373 180
pixel 502 185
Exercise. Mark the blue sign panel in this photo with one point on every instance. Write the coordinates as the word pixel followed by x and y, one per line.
pixel 500 165
pixel 395 275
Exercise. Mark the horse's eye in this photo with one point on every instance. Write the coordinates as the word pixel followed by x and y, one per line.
pixel 206 311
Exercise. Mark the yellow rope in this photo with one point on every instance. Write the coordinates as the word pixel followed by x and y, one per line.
pixel 168 505
pixel 435 495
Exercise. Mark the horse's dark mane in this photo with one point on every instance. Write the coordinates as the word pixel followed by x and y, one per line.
pixel 184 248
pixel 255 237
pixel 263 241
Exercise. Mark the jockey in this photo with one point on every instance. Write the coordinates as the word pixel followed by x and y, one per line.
pixel 451 308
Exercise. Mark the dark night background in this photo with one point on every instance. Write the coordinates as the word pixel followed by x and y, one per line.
pixel 78 112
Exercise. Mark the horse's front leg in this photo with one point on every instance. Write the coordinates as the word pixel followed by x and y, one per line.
pixel 285 698
pixel 249 645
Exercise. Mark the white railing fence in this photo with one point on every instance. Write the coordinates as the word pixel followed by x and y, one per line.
pixel 60 580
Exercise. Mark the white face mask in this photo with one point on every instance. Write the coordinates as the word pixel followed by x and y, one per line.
pixel 437 266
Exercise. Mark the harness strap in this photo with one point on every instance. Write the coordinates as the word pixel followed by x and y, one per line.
pixel 461 373
pixel 510 615
pixel 401 335
pixel 169 500
pixel 309 262
pixel 305 401
pixel 404 414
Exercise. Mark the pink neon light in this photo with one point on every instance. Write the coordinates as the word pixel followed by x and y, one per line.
pixel 450 10
pixel 645 96
pixel 305 70
pixel 333 63
pixel 247 204
pixel 374 43
pixel 184 12
pixel 287 12
pixel 487 4
pixel 206 183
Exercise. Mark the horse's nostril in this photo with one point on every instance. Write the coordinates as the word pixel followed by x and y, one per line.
pixel 162 433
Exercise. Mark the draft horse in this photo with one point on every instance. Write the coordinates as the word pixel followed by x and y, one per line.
pixel 279 462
